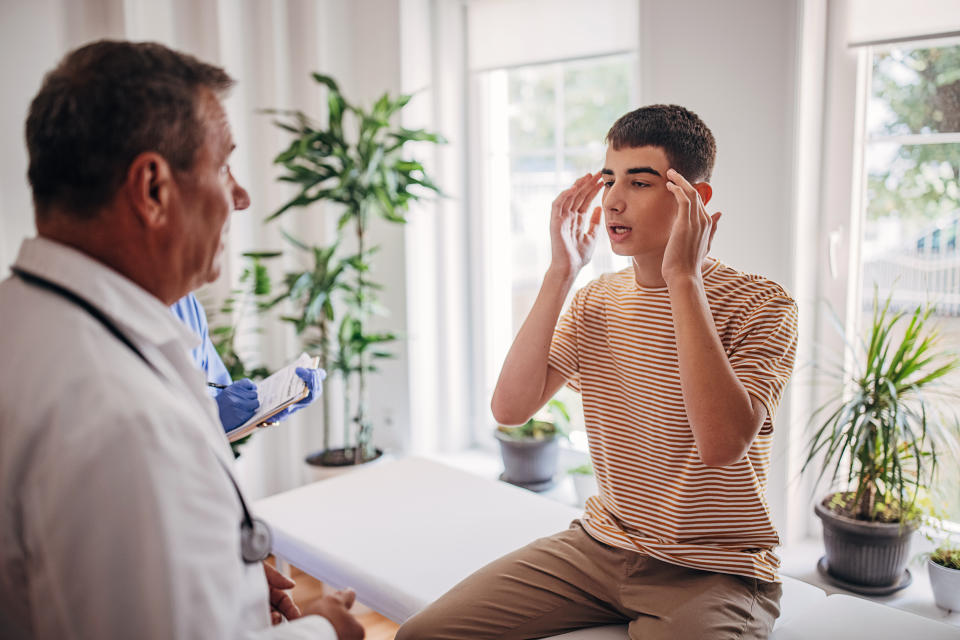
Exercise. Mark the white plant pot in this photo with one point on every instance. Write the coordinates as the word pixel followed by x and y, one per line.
pixel 946 586
pixel 585 485
pixel 316 473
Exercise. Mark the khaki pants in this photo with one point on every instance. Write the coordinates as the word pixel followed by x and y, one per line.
pixel 569 581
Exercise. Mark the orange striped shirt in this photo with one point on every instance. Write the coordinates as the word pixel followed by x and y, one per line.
pixel 616 346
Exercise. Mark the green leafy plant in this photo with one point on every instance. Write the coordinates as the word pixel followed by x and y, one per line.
pixel 556 422
pixel 312 292
pixel 885 431
pixel 355 161
pixel 254 284
pixel 585 469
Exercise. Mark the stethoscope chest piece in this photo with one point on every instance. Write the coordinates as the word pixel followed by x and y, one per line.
pixel 256 540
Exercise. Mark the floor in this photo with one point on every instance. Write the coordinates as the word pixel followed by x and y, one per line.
pixel 376 626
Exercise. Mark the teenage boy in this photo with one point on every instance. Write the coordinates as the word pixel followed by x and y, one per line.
pixel 681 361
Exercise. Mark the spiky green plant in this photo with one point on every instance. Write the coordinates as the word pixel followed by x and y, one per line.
pixel 947 556
pixel 887 428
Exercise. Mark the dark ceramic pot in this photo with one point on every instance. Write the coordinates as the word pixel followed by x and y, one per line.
pixel 868 554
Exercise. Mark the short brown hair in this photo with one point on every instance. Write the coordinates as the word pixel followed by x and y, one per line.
pixel 102 106
pixel 682 135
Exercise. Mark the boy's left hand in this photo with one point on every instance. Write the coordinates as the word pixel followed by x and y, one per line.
pixel 691 234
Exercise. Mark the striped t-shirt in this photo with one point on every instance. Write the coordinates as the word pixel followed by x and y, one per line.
pixel 616 346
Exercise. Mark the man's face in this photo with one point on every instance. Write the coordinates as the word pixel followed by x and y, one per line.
pixel 638 210
pixel 208 193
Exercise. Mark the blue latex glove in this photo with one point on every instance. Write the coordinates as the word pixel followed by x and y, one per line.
pixel 313 379
pixel 237 403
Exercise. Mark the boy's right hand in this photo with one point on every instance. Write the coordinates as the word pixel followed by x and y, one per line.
pixel 571 241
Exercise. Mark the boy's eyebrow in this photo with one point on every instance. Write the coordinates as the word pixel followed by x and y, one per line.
pixel 651 170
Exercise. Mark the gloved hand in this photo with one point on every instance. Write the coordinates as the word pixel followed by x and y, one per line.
pixel 313 379
pixel 237 403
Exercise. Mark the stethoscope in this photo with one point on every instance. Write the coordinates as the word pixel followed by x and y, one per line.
pixel 256 539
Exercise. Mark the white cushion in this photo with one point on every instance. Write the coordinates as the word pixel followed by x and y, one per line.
pixel 852 618
pixel 403 532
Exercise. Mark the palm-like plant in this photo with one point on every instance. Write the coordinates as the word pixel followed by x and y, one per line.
pixel 363 169
pixel 885 431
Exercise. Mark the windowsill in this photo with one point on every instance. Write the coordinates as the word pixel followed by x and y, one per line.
pixel 487 463
pixel 798 561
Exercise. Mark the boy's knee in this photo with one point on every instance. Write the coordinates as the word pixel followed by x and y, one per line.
pixel 438 623
pixel 416 628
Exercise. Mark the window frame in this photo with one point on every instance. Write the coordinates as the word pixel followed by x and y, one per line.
pixel 838 251
pixel 494 333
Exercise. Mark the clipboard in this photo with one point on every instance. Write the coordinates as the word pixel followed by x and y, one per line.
pixel 276 392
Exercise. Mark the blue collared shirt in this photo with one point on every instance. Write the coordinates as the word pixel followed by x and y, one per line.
pixel 189 310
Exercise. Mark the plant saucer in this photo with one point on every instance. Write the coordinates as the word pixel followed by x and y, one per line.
pixel 879 590
pixel 542 485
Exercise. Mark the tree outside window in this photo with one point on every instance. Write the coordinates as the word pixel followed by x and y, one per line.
pixel 912 198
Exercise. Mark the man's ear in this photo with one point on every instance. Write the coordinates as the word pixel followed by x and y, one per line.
pixel 705 191
pixel 149 187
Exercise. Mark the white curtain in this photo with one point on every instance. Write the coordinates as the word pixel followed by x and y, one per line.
pixel 270 47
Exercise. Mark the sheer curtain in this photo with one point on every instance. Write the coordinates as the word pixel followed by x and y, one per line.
pixel 270 48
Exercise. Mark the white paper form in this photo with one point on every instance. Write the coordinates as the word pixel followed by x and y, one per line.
pixel 282 388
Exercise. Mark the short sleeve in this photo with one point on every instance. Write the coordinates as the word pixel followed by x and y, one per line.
pixel 189 310
pixel 564 355
pixel 763 351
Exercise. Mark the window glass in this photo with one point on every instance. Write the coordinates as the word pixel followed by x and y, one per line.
pixel 912 203
pixel 544 126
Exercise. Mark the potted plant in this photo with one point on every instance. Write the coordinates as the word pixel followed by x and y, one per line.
pixel 943 566
pixel 881 437
pixel 530 451
pixel 356 161
pixel 253 285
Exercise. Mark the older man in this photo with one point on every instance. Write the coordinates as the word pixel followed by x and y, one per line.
pixel 119 516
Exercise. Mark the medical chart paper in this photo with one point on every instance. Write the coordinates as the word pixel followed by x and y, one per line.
pixel 276 393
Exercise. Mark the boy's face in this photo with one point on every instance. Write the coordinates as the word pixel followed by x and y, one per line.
pixel 637 208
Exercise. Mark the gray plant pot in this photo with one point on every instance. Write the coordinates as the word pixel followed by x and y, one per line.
pixel 529 462
pixel 871 555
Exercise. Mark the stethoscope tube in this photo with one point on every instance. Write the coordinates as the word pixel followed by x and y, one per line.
pixel 256 538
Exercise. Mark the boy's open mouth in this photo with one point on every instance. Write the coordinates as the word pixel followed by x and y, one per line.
pixel 618 231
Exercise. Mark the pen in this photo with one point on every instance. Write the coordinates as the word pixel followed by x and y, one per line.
pixel 216 386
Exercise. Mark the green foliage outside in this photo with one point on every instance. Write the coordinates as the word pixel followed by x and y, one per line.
pixel 920 93
pixel 592 92
pixel 887 428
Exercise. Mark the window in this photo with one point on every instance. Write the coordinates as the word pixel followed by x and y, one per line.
pixel 911 208
pixel 540 127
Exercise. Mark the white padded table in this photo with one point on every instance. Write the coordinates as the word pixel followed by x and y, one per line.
pixel 401 533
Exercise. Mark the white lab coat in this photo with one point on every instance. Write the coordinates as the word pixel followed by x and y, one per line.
pixel 116 520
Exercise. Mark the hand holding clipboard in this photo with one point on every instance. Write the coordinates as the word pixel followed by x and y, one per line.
pixel 277 392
